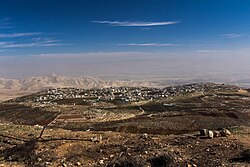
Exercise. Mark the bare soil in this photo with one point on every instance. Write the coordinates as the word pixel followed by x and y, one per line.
pixel 155 133
pixel 66 148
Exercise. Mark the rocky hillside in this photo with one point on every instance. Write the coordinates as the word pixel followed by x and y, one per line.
pixel 13 87
pixel 58 81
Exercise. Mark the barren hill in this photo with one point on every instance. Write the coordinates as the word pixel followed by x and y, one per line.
pixel 199 124
pixel 10 88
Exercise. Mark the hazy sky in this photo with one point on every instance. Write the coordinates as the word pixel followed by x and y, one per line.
pixel 146 38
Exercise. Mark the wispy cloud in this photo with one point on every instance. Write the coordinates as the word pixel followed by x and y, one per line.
pixel 4 23
pixel 45 43
pixel 135 24
pixel 4 43
pixel 234 35
pixel 26 45
pixel 145 28
pixel 14 35
pixel 147 44
pixel 212 51
pixel 45 40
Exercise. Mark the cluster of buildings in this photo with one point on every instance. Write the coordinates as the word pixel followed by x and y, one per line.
pixel 122 94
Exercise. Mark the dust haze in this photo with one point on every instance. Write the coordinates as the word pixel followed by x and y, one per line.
pixel 172 67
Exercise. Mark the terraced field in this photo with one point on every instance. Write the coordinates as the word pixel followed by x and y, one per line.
pixel 172 116
pixel 26 115
pixel 175 115
pixel 160 132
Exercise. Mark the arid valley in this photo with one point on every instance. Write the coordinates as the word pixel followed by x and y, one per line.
pixel 124 83
pixel 199 124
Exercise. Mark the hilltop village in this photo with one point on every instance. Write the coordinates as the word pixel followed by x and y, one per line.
pixel 199 124
pixel 120 95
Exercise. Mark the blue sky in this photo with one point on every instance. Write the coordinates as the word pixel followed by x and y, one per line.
pixel 31 28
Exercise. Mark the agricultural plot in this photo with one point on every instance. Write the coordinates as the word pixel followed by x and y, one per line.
pixel 162 131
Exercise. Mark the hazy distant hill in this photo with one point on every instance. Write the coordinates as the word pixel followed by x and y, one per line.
pixel 58 81
pixel 13 87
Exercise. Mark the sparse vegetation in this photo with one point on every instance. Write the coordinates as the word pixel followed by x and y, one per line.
pixel 78 129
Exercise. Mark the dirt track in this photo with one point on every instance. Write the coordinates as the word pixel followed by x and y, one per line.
pixel 60 147
pixel 114 135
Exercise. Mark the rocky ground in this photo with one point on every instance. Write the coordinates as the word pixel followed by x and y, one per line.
pixel 164 132
pixel 59 147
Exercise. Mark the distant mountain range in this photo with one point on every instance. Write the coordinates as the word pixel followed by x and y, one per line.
pixel 11 88
pixel 14 87
pixel 58 81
